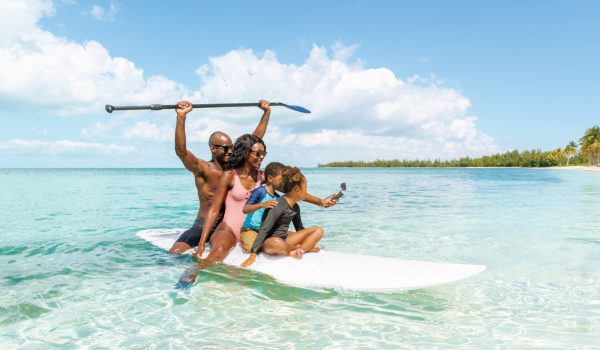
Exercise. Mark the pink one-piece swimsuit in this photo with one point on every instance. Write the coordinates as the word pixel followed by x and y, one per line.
pixel 234 203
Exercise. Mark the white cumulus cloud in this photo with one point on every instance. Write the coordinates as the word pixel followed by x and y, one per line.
pixel 99 13
pixel 63 146
pixel 405 118
pixel 358 112
pixel 41 69
pixel 150 131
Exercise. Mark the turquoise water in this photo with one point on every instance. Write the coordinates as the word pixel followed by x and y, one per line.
pixel 75 275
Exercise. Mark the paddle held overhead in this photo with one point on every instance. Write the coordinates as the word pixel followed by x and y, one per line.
pixel 157 107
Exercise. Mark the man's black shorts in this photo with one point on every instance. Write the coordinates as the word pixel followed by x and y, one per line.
pixel 191 237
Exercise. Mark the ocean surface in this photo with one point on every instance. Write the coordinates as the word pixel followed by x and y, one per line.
pixel 74 275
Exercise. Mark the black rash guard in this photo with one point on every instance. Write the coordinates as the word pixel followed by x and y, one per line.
pixel 276 222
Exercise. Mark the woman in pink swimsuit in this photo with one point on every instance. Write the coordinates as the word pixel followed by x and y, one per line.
pixel 242 175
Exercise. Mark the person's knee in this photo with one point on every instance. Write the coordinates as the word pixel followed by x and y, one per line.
pixel 319 232
pixel 218 251
pixel 179 248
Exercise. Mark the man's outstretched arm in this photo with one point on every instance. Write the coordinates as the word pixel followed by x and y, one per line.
pixel 261 128
pixel 190 161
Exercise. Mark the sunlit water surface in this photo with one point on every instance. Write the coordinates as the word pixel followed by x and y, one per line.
pixel 75 275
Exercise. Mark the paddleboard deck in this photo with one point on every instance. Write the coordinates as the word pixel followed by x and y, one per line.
pixel 328 269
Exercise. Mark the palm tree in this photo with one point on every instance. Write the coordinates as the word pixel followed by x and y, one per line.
pixel 594 152
pixel 592 135
pixel 555 156
pixel 570 150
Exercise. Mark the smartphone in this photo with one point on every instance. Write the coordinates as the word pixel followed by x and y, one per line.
pixel 338 195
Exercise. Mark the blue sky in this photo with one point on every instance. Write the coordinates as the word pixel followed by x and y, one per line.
pixel 384 79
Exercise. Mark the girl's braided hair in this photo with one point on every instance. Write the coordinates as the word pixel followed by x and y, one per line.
pixel 292 177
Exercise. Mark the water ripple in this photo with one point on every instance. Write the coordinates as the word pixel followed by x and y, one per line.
pixel 76 276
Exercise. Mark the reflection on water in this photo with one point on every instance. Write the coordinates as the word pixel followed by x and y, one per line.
pixel 75 275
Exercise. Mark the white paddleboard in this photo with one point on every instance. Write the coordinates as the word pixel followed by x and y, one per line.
pixel 338 270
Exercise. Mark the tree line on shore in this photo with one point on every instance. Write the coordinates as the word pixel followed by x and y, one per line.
pixel 587 152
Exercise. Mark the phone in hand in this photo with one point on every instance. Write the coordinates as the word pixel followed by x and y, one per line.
pixel 340 193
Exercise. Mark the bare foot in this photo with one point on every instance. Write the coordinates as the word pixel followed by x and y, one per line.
pixel 296 253
pixel 314 249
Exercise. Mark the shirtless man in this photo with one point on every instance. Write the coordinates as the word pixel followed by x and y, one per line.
pixel 206 174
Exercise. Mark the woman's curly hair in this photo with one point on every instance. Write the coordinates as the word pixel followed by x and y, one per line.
pixel 292 177
pixel 241 150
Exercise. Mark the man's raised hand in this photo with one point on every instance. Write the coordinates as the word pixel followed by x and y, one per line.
pixel 264 105
pixel 183 108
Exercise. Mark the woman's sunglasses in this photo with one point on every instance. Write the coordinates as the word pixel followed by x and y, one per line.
pixel 259 154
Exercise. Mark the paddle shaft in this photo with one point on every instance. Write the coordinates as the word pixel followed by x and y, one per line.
pixel 158 107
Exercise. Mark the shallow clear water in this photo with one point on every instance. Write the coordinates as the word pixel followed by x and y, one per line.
pixel 75 275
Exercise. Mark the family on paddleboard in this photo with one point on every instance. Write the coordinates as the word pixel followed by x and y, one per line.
pixel 239 203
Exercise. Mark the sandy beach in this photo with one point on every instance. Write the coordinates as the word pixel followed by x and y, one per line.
pixel 584 168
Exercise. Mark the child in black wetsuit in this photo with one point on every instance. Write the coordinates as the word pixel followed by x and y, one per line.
pixel 273 237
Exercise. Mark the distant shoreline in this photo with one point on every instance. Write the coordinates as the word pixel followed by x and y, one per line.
pixel 577 167
pixel 574 167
